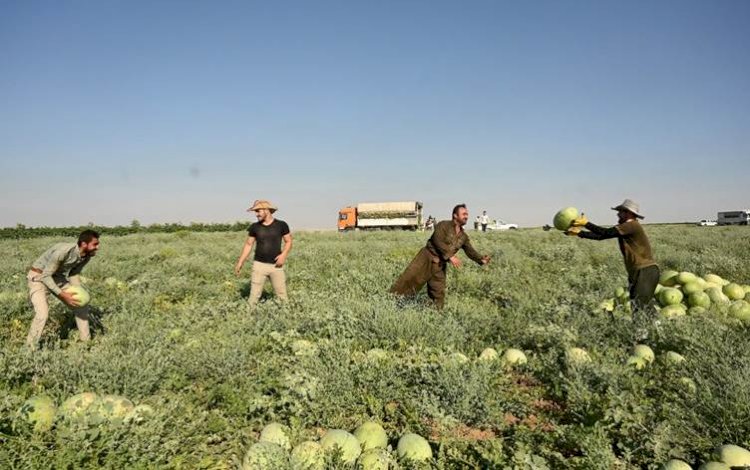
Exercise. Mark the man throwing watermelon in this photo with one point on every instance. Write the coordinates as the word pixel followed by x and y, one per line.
pixel 643 273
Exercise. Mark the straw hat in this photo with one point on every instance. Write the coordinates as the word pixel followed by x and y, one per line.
pixel 262 204
pixel 629 205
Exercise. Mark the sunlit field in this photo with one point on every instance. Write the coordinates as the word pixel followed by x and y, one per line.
pixel 178 336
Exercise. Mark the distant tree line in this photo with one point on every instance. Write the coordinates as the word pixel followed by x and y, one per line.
pixel 21 231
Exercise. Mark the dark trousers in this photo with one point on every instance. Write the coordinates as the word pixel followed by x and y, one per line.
pixel 422 270
pixel 643 285
pixel 484 227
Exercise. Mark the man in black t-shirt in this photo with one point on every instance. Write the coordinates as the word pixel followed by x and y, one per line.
pixel 269 256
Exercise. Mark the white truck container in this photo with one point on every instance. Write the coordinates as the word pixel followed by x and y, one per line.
pixel 734 217
pixel 405 215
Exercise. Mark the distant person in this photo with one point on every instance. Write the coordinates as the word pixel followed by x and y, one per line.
pixel 430 265
pixel 643 272
pixel 477 221
pixel 485 221
pixel 269 256
pixel 56 269
pixel 430 224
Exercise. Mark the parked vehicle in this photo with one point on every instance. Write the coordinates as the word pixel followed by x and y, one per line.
pixel 706 223
pixel 734 217
pixel 500 224
pixel 381 215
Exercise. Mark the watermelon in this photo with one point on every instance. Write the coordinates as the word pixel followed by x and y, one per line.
pixel 338 438
pixel 699 299
pixel 697 310
pixel 691 288
pixel 644 352
pixel 39 411
pixel 688 385
pixel 371 435
pixel 113 408
pixel 732 455
pixel 458 358
pixel 636 362
pixel 139 414
pixel 676 464
pixel 375 459
pixel 80 295
pixel 674 358
pixel 717 296
pixel 672 311
pixel 577 356
pixel 685 278
pixel 564 218
pixel 276 433
pixel 713 278
pixel 668 278
pixel 514 356
pixel 308 455
pixel 740 310
pixel 489 354
pixel 76 407
pixel 714 466
pixel 414 447
pixel 734 291
pixel 670 296
pixel 265 456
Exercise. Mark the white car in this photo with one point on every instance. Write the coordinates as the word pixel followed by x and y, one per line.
pixel 500 224
pixel 707 223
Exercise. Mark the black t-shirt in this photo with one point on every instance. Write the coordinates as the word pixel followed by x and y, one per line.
pixel 268 239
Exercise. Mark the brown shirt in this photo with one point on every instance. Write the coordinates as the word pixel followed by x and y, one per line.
pixel 445 242
pixel 634 244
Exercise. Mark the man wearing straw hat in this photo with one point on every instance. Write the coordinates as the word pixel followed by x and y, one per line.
pixel 269 258
pixel 643 273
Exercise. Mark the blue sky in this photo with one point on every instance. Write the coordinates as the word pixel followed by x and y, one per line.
pixel 186 111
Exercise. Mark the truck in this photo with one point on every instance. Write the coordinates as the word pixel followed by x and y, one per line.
pixel 734 217
pixel 403 215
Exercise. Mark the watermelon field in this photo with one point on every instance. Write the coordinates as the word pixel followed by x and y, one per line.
pixel 208 376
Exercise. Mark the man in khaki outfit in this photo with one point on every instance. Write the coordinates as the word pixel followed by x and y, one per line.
pixel 643 272
pixel 430 265
pixel 269 258
pixel 57 268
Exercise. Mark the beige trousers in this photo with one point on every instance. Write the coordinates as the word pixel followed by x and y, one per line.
pixel 38 296
pixel 262 271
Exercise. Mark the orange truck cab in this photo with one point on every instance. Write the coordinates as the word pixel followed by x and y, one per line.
pixel 347 218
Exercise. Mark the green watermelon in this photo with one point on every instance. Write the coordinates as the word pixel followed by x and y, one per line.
pixel 670 296
pixel 714 466
pixel 371 435
pixel 308 455
pixel 265 456
pixel 564 218
pixel 76 407
pixel 636 362
pixel 338 438
pixel 674 358
pixel 80 295
pixel 668 278
pixel 375 459
pixel 39 412
pixel 113 408
pixel 276 433
pixel 577 356
pixel 734 291
pixel 675 464
pixel 376 355
pixel 691 288
pixel 488 355
pixel 672 311
pixel 685 278
pixel 740 310
pixel 644 351
pixel 139 414
pixel 414 447
pixel 732 455
pixel 514 356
